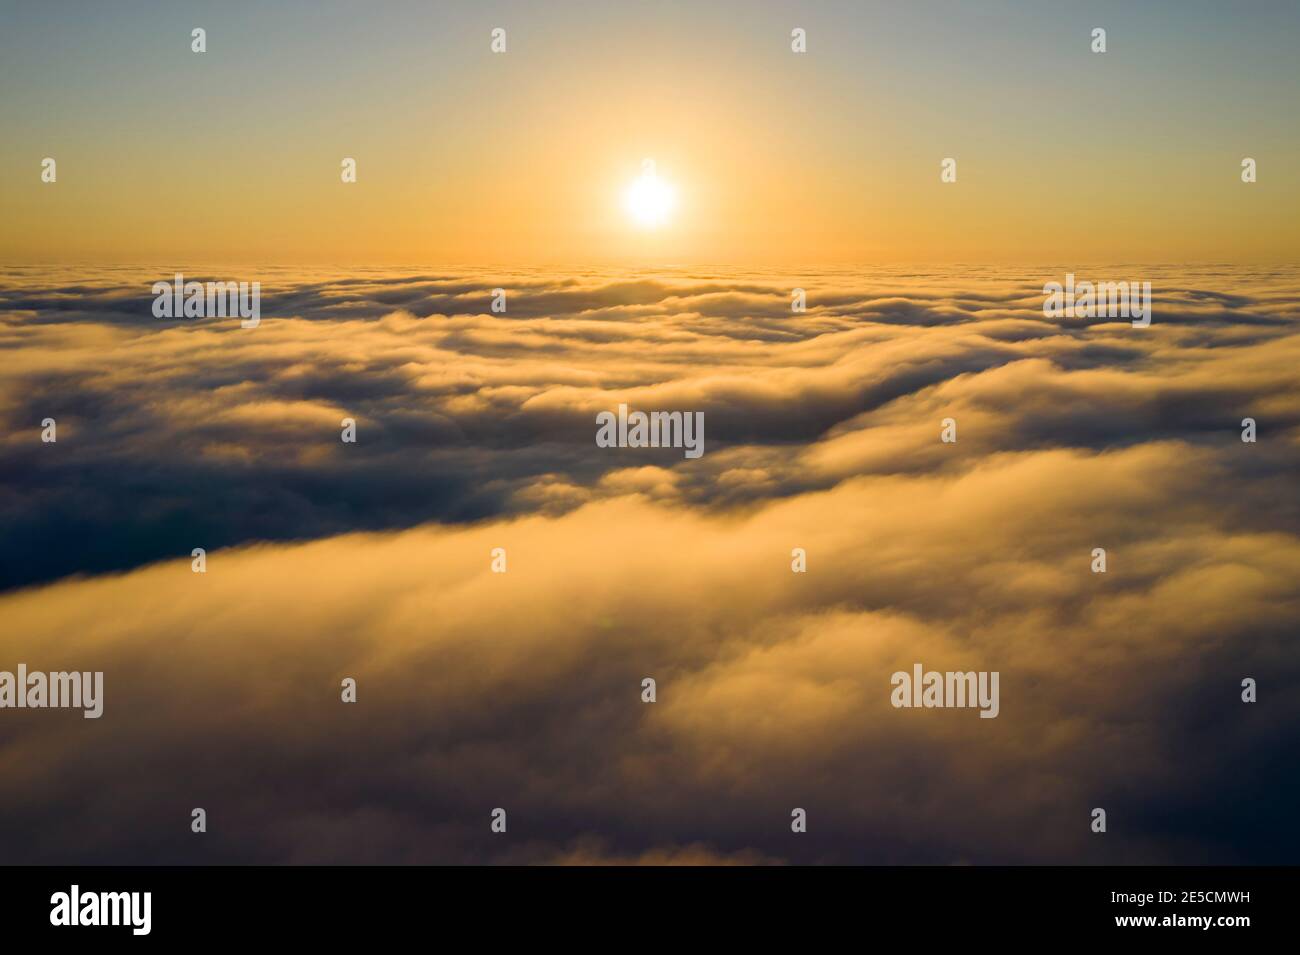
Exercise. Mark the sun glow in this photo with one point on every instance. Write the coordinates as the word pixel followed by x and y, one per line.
pixel 650 200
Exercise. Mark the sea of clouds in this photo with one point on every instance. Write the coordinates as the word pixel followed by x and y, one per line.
pixel 522 690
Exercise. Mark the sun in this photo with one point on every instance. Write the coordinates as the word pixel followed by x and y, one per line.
pixel 650 200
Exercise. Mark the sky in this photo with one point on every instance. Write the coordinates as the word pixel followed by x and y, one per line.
pixel 465 157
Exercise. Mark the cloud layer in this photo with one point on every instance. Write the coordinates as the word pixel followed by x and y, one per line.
pixel 522 690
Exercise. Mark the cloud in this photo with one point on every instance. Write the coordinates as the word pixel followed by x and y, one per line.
pixel 181 433
pixel 522 690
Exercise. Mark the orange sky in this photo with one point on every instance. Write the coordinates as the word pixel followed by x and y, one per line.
pixel 470 157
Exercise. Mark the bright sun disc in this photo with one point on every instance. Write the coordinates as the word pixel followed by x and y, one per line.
pixel 649 200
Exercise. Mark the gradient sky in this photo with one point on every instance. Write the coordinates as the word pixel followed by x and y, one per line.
pixel 169 157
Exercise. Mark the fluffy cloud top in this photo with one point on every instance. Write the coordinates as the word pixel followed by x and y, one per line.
pixel 522 690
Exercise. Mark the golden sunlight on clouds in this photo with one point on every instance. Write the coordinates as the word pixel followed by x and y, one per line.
pixel 476 432
pixel 525 682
